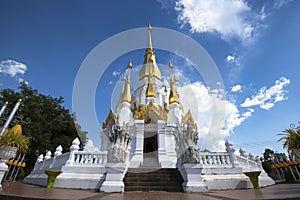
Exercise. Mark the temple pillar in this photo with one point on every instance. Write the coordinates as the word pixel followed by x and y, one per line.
pixel 137 152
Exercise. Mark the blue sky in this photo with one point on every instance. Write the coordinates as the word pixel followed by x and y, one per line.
pixel 254 44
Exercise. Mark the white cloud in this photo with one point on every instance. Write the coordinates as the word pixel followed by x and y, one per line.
pixel 216 117
pixel 12 67
pixel 248 113
pixel 229 18
pixel 230 58
pixel 236 88
pixel 280 3
pixel 266 98
pixel 116 73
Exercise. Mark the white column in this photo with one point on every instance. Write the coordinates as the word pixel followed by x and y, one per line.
pixel 161 136
pixel 137 153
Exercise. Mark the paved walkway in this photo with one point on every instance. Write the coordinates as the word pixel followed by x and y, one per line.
pixel 19 191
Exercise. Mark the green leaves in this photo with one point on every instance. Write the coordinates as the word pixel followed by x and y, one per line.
pixel 12 139
pixel 290 139
pixel 51 124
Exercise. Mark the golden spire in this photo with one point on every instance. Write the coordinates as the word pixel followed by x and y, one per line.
pixel 149 36
pixel 150 92
pixel 121 94
pixel 126 94
pixel 174 97
pixel 149 65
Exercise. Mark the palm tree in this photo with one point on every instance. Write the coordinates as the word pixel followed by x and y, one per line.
pixel 291 141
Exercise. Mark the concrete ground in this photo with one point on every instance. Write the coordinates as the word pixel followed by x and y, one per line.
pixel 18 190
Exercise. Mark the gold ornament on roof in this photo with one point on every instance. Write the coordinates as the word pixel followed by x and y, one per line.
pixel 149 65
pixel 188 117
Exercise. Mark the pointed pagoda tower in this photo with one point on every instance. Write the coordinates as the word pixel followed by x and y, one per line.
pixel 150 114
pixel 123 108
pixel 175 107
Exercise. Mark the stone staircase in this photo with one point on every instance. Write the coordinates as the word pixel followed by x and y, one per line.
pixel 151 179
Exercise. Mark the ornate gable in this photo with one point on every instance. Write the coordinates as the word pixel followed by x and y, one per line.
pixel 188 117
pixel 111 119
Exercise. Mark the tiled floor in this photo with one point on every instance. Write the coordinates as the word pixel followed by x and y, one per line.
pixel 19 190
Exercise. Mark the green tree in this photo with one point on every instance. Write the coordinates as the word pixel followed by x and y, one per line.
pixel 51 124
pixel 291 140
pixel 268 157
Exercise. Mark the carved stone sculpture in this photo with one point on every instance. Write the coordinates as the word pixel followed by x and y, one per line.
pixel 120 141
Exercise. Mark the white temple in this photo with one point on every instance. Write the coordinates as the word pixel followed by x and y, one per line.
pixel 148 134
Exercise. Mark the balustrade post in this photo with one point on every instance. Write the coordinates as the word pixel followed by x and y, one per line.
pixel 39 159
pixel 74 148
pixel 219 159
pixel 230 150
pixel 48 155
pixel 251 156
pixel 214 159
pixel 204 160
pixel 58 151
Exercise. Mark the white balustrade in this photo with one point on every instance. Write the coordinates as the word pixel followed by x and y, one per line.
pixel 88 158
pixel 72 158
pixel 218 159
pixel 248 165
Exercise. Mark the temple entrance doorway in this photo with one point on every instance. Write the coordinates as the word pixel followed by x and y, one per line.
pixel 150 149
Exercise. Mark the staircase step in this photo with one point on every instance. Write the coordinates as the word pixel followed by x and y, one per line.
pixel 149 179
pixel 154 183
pixel 143 178
pixel 154 188
pixel 157 170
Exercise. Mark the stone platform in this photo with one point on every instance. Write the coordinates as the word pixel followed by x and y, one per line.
pixel 20 191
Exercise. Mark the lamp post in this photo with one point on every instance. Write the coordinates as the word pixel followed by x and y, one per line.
pixel 10 116
pixel 7 152
pixel 3 108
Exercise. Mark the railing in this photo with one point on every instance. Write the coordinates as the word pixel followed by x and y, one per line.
pixel 59 161
pixel 82 157
pixel 72 158
pixel 221 159
pixel 248 165
pixel 79 158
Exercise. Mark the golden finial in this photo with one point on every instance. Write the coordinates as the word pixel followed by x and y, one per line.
pixel 129 68
pixel 149 36
pixel 6 103
pixel 20 100
pixel 170 65
pixel 166 90
pixel 130 64
pixel 170 68
pixel 149 26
